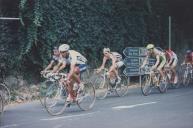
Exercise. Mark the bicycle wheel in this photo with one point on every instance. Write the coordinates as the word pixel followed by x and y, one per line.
pixel 122 88
pixel 101 87
pixel 163 84
pixel 55 99
pixel 186 78
pixel 86 97
pixel 42 90
pixel 1 105
pixel 5 93
pixel 146 85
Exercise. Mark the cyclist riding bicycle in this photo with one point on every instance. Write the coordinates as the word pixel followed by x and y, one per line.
pixel 160 59
pixel 77 64
pixel 117 62
pixel 188 58
pixel 172 61
pixel 54 61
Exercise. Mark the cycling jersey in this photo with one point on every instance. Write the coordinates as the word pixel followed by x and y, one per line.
pixel 55 59
pixel 117 55
pixel 162 58
pixel 170 55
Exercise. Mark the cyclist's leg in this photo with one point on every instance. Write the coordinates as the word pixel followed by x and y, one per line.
pixel 161 67
pixel 173 69
pixel 118 65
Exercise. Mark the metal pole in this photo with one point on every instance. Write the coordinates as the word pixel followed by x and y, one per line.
pixel 169 32
pixel 9 18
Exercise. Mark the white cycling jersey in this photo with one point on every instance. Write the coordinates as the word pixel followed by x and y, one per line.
pixel 74 58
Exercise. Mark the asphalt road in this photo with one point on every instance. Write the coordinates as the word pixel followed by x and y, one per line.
pixel 173 109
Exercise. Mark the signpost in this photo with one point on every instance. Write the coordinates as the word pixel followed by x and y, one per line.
pixel 134 59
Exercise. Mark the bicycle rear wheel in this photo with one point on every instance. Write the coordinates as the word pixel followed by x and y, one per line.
pixel 86 97
pixel 5 93
pixel 122 88
pixel 55 99
pixel 101 87
pixel 146 85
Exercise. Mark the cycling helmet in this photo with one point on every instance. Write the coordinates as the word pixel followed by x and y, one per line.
pixel 149 46
pixel 105 50
pixel 64 47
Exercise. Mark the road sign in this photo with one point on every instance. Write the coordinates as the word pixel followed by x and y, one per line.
pixel 131 71
pixel 134 51
pixel 133 61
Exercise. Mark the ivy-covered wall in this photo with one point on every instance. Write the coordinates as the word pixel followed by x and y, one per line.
pixel 87 25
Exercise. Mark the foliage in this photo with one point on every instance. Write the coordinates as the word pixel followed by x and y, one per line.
pixel 87 25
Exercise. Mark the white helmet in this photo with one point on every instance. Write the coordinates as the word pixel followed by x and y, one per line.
pixel 64 47
pixel 105 50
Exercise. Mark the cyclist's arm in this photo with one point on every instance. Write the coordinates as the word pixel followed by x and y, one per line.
pixel 157 61
pixel 49 66
pixel 59 67
pixel 145 61
pixel 103 63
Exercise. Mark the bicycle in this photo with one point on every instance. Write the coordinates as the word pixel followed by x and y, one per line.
pixel 152 79
pixel 104 85
pixel 187 74
pixel 56 103
pixel 51 80
pixel 173 81
pixel 5 93
pixel 1 105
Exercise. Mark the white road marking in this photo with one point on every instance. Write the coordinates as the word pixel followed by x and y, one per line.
pixel 63 117
pixel 132 106
pixel 9 126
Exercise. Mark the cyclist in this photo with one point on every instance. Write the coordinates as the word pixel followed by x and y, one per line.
pixel 76 63
pixel 160 59
pixel 172 61
pixel 117 62
pixel 188 58
pixel 54 61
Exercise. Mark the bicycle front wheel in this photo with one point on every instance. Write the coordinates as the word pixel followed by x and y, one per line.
pixel 1 106
pixel 146 85
pixel 186 78
pixel 163 86
pixel 5 93
pixel 101 87
pixel 55 99
pixel 86 97
pixel 122 88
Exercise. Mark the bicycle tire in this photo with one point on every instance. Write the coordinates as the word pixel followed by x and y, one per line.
pixel 122 88
pixel 101 87
pixel 163 85
pixel 6 93
pixel 186 79
pixel 86 98
pixel 1 106
pixel 146 85
pixel 58 105
pixel 43 89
